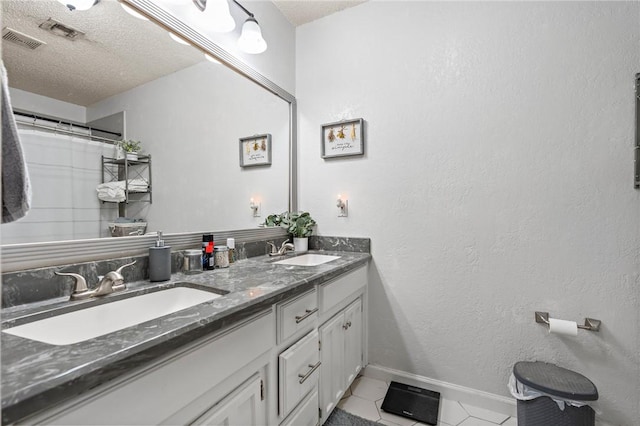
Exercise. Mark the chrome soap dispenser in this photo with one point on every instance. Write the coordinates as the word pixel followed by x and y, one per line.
pixel 159 261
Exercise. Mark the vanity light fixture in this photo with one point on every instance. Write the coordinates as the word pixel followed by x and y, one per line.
pixel 78 4
pixel 216 17
pixel 255 207
pixel 251 40
pixel 343 207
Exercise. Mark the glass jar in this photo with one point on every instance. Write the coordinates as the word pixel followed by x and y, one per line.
pixel 221 256
pixel 192 262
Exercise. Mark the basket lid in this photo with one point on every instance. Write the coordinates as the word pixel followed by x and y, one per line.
pixel 555 381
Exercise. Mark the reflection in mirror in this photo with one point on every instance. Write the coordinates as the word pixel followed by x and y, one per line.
pixel 127 76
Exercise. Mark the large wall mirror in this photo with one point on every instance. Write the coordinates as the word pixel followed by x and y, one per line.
pixel 188 112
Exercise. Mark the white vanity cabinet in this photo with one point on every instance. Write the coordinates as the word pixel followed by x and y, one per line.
pixel 298 360
pixel 288 365
pixel 243 407
pixel 217 379
pixel 341 337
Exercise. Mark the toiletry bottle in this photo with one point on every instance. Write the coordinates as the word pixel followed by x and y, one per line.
pixel 231 243
pixel 159 261
pixel 207 252
pixel 221 255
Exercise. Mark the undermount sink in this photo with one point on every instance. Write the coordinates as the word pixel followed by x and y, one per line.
pixel 307 260
pixel 87 323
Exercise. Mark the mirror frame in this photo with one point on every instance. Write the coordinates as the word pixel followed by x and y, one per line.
pixel 16 257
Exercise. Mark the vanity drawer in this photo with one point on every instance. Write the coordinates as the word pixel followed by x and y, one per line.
pixel 298 371
pixel 297 315
pixel 335 292
pixel 306 414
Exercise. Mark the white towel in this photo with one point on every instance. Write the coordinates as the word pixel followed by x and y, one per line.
pixel 114 191
pixel 16 187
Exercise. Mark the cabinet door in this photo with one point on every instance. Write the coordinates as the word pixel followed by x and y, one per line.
pixel 306 414
pixel 242 407
pixel 332 379
pixel 298 370
pixel 353 340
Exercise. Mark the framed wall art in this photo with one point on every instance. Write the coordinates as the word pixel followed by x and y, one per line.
pixel 343 138
pixel 255 150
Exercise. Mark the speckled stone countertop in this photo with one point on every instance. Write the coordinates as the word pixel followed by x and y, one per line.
pixel 36 375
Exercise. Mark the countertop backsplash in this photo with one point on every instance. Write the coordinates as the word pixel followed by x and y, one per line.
pixel 41 284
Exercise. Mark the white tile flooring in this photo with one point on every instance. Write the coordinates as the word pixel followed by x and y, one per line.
pixel 365 397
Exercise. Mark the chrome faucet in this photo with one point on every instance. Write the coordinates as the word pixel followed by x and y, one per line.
pixel 111 282
pixel 283 249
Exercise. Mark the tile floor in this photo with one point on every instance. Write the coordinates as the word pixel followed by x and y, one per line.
pixel 365 397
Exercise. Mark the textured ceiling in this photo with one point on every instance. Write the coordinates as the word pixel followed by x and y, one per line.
pixel 117 53
pixel 300 12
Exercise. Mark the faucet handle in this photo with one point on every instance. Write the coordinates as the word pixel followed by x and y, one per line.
pixel 119 270
pixel 283 243
pixel 79 285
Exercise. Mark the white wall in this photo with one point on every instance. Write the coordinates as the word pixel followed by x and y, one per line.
pixel 38 104
pixel 497 181
pixel 190 122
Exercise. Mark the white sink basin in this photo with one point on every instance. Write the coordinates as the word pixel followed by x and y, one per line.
pixel 84 324
pixel 308 260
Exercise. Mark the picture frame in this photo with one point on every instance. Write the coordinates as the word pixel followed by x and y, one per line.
pixel 255 150
pixel 343 138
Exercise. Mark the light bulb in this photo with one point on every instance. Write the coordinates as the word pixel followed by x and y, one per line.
pixel 251 40
pixel 217 17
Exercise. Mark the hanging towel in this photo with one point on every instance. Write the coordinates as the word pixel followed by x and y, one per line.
pixel 16 188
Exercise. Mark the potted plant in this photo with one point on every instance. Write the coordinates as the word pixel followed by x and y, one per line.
pixel 300 225
pixel 273 220
pixel 131 148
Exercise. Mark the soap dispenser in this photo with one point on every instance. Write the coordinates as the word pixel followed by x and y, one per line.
pixel 159 261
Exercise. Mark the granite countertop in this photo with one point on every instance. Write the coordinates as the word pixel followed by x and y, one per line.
pixel 37 375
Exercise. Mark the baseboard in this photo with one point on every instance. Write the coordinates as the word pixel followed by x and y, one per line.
pixel 490 401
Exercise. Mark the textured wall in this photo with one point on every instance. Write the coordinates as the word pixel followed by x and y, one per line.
pixel 190 122
pixel 497 181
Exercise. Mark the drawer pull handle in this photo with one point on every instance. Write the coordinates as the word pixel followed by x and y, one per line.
pixel 308 313
pixel 347 325
pixel 304 377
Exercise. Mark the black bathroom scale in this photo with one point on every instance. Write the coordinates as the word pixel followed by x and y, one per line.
pixel 412 402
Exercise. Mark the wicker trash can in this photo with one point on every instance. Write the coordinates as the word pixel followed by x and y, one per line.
pixel 551 395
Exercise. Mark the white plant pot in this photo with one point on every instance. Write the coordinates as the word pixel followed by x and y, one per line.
pixel 301 245
pixel 132 156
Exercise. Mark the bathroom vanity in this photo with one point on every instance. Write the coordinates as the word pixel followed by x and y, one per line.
pixel 280 347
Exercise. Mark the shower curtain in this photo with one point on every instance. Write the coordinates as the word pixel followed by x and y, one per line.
pixel 64 171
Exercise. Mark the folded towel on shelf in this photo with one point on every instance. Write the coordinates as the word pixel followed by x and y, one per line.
pixel 114 192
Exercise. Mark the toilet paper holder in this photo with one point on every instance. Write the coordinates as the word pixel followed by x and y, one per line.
pixel 589 323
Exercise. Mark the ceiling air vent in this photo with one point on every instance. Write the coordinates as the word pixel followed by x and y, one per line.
pixel 60 29
pixel 13 36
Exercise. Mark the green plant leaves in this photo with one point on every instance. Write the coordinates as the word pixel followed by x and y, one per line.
pixel 298 224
